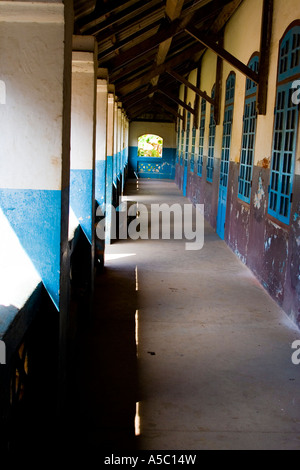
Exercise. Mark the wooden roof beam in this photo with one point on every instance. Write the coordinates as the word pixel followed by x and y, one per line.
pixel 146 45
pixel 136 110
pixel 128 87
pixel 97 25
pixel 166 33
pixel 167 107
pixel 156 9
pixel 118 45
pixel 173 12
pixel 177 100
pixel 134 107
pixel 136 97
pixel 221 52
pixel 185 82
pixel 101 10
pixel 264 59
pixel 223 17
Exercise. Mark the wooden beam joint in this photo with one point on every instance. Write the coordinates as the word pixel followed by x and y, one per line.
pixel 221 52
pixel 185 82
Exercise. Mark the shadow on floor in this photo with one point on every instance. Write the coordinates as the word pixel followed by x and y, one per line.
pixel 102 413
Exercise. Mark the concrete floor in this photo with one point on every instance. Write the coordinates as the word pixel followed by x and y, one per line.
pixel 185 351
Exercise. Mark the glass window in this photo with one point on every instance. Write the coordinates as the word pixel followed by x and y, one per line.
pixel 211 142
pixel 285 129
pixel 201 136
pixel 248 137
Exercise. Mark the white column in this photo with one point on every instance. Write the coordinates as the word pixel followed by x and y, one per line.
pixel 101 132
pixel 83 129
pixel 110 139
pixel 35 75
pixel 35 72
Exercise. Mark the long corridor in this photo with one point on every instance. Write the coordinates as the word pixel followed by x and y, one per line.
pixel 185 350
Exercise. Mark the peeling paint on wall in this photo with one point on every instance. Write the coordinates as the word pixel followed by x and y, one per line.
pixel 268 243
pixel 259 196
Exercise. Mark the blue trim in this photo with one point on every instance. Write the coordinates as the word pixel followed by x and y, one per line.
pixel 178 143
pixel 182 147
pixel 201 138
pixel 285 129
pixel 225 156
pixel 251 87
pixel 289 54
pixel 152 167
pixel 248 143
pixel 81 199
pixel 109 195
pixel 35 216
pixel 211 142
pixel 133 157
pixel 192 164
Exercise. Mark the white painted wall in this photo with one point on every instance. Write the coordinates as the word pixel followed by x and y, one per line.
pixel 83 118
pixel 163 129
pixel 110 124
pixel 101 123
pixel 31 120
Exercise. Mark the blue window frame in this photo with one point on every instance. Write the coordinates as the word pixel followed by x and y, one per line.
pixel 178 141
pixel 182 147
pixel 193 149
pixel 187 140
pixel 201 137
pixel 248 138
pixel 227 127
pixel 211 142
pixel 285 128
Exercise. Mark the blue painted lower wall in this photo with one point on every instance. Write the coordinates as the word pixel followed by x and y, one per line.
pixel 146 167
pixel 81 199
pixel 35 216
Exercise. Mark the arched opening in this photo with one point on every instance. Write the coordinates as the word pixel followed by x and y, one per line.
pixel 150 145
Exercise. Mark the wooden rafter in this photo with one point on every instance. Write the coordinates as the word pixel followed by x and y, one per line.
pixel 165 34
pixel 139 109
pixel 182 80
pixel 134 22
pixel 177 100
pixel 102 56
pixel 97 25
pixel 146 45
pixel 149 48
pixel 197 99
pixel 167 107
pixel 264 60
pixel 125 88
pixel 101 11
pixel 173 12
pixel 218 88
pixel 139 96
pixel 221 52
pixel 196 49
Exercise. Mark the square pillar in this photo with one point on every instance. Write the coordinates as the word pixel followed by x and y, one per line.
pixel 83 134
pixel 35 129
pixel 110 139
pixel 35 72
pixel 120 141
pixel 101 141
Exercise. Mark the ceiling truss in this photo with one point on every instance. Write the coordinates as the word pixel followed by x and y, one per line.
pixel 150 47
